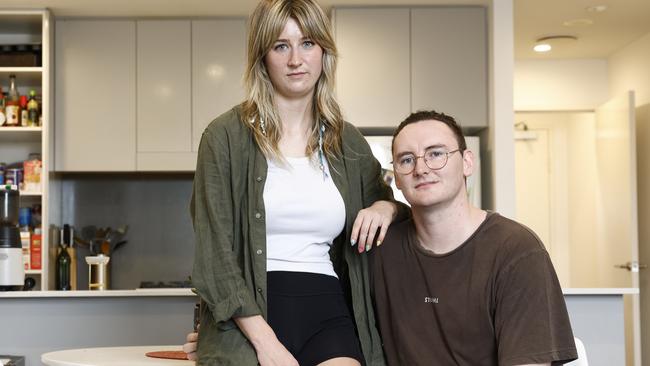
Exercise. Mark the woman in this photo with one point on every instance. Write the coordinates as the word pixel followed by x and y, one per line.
pixel 281 185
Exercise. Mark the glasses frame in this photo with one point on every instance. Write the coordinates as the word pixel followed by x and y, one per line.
pixel 426 162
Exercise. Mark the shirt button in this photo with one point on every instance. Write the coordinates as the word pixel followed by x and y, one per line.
pixel 259 251
pixel 259 290
pixel 258 215
pixel 259 179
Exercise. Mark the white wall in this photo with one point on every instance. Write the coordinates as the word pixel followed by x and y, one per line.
pixel 629 69
pixel 498 154
pixel 554 85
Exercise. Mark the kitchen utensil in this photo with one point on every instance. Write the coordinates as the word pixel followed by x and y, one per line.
pixel 98 276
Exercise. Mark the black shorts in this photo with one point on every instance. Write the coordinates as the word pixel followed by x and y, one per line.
pixel 310 317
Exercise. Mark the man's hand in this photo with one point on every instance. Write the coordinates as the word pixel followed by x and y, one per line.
pixel 190 346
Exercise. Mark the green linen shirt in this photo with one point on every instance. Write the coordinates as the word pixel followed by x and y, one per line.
pixel 227 209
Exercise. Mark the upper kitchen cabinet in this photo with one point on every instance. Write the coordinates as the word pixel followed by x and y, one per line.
pixel 449 63
pixel 95 95
pixel 189 72
pixel 135 95
pixel 373 81
pixel 164 93
pixel 394 61
pixel 218 59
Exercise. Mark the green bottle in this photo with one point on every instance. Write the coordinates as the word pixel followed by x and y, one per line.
pixel 63 262
pixel 32 110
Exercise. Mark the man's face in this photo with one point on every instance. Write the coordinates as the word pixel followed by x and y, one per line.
pixel 426 187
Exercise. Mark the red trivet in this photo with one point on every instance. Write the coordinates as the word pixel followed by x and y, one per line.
pixel 172 355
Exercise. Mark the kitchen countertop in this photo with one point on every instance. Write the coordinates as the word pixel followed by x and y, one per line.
pixel 170 292
pixel 164 292
pixel 601 291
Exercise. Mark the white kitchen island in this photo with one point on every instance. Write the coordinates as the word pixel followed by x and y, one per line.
pixel 39 322
pixel 598 319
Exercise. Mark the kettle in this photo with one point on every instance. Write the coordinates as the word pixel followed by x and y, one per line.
pixel 12 271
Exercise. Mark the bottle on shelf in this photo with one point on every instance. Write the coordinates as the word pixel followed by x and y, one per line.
pixel 13 94
pixel 36 250
pixel 12 104
pixel 63 269
pixel 32 110
pixel 3 119
pixel 68 238
pixel 23 111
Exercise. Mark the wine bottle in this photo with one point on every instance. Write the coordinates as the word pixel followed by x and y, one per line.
pixel 12 107
pixel 63 269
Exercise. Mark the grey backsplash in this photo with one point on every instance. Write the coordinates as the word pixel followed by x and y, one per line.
pixel 155 206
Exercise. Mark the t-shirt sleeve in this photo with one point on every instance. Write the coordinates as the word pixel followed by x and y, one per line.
pixel 531 320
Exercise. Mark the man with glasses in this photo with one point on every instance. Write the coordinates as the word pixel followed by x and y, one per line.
pixel 456 285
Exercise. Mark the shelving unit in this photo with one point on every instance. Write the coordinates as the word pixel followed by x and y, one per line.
pixel 16 143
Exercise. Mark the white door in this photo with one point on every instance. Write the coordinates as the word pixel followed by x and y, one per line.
pixel 617 245
pixel 643 184
pixel 616 162
pixel 532 182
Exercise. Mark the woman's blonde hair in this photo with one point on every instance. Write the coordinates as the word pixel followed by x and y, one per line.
pixel 259 110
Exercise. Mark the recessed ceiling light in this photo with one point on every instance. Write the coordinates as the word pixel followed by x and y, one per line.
pixel 544 44
pixel 597 8
pixel 583 22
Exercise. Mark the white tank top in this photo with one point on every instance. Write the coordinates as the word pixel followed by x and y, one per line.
pixel 304 214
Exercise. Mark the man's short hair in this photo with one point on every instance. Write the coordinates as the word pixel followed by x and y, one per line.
pixel 436 116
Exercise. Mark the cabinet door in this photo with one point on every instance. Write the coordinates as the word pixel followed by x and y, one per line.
pixel 449 62
pixel 95 95
pixel 373 81
pixel 163 82
pixel 218 61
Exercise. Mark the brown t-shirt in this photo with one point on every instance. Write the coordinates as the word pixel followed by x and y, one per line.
pixel 495 300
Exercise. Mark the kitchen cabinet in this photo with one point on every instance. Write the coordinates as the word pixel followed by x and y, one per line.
pixel 373 79
pixel 394 61
pixel 135 95
pixel 31 27
pixel 164 86
pixel 164 95
pixel 218 62
pixel 95 89
pixel 449 63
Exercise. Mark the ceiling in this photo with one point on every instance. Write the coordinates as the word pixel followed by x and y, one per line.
pixel 623 22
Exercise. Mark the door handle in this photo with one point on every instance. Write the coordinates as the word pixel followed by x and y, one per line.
pixel 632 266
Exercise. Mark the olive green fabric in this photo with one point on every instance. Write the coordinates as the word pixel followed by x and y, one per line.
pixel 228 214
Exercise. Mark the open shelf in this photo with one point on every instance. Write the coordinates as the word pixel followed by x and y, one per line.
pixel 25 76
pixel 20 134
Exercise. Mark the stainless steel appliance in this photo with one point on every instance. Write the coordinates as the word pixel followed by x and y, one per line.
pixel 12 270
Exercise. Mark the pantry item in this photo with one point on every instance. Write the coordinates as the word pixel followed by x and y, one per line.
pixel 98 272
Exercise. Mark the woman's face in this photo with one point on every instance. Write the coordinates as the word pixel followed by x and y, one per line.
pixel 294 63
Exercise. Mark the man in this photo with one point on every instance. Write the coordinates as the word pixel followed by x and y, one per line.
pixel 456 285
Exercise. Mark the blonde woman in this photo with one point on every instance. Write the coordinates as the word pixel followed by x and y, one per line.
pixel 283 187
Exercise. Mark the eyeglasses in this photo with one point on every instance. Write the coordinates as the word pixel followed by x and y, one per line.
pixel 434 158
